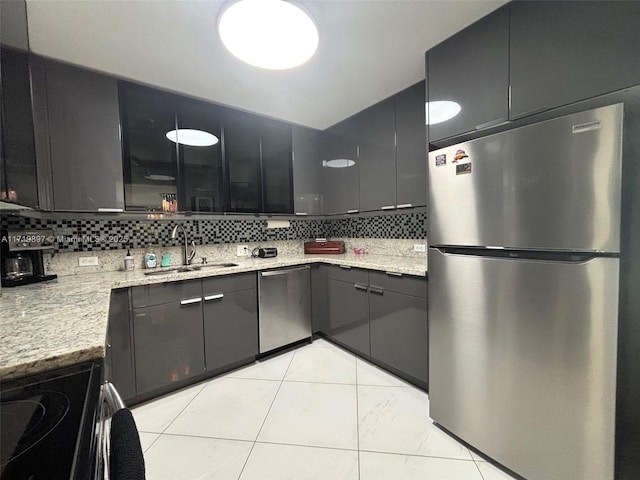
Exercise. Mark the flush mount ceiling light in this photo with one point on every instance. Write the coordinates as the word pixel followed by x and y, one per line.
pixel 270 34
pixel 192 138
pixel 441 111
pixel 338 163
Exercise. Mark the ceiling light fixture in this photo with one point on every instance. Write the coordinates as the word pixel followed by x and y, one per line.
pixel 192 138
pixel 270 34
pixel 441 111
pixel 338 163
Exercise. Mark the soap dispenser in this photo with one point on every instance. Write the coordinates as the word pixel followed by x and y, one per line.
pixel 129 261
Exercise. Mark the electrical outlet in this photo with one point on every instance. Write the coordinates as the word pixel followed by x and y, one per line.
pixel 419 247
pixel 88 261
pixel 242 250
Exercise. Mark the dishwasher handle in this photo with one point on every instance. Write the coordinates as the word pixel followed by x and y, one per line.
pixel 272 273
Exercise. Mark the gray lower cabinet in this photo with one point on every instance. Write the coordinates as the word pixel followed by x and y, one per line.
pixel 382 316
pixel 230 319
pixel 398 323
pixel 83 132
pixel 119 355
pixel 168 334
pixel 320 317
pixel 349 307
pixel 563 52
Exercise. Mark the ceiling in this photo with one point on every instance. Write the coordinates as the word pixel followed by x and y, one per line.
pixel 369 50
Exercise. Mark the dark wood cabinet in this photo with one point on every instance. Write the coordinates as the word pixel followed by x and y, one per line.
pixel 411 147
pixel 340 191
pixel 471 69
pixel 563 52
pixel 377 156
pixel 149 158
pixel 230 319
pixel 83 131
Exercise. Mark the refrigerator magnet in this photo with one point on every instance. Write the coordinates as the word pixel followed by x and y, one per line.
pixel 441 160
pixel 460 154
pixel 463 168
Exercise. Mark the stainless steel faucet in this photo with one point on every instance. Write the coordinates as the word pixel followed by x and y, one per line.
pixel 188 255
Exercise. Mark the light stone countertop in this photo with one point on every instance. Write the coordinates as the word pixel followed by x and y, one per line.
pixel 63 322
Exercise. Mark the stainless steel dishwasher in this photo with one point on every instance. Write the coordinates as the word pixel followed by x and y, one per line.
pixel 284 306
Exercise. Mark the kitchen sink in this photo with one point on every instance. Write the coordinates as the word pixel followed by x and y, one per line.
pixel 190 268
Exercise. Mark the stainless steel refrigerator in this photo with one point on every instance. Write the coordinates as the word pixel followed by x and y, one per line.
pixel 524 268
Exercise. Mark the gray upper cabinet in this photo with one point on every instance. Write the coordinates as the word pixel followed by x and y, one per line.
pixel 471 69
pixel 340 168
pixel 562 52
pixel 307 170
pixel 377 156
pixel 84 138
pixel 411 147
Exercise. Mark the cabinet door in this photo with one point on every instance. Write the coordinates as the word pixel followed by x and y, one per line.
pixel 399 334
pixel 411 147
pixel 340 191
pixel 119 357
pixel 230 327
pixel 471 69
pixel 277 167
pixel 307 170
pixel 149 157
pixel 18 180
pixel 562 52
pixel 168 343
pixel 349 310
pixel 200 158
pixel 242 156
pixel 320 316
pixel 377 156
pixel 84 138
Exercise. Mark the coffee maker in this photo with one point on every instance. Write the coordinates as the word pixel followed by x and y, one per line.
pixel 22 261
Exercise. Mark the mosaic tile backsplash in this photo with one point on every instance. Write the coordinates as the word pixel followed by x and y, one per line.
pixel 101 234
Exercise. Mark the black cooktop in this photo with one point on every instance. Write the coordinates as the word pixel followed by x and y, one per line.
pixel 41 419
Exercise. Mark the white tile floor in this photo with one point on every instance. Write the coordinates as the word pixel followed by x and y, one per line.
pixel 317 413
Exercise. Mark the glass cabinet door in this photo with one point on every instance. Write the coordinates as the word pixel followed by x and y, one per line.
pixel 242 150
pixel 276 167
pixel 200 157
pixel 150 158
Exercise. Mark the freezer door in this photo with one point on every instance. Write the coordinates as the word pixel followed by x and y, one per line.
pixel 522 361
pixel 554 185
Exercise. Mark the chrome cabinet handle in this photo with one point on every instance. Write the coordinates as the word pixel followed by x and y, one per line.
pixel 213 297
pixel 273 273
pixel 404 205
pixel 191 301
pixel 378 290
pixel 345 267
pixel 393 274
pixel 388 207
pixel 361 287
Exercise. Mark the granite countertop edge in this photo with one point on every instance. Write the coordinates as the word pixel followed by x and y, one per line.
pixel 56 324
